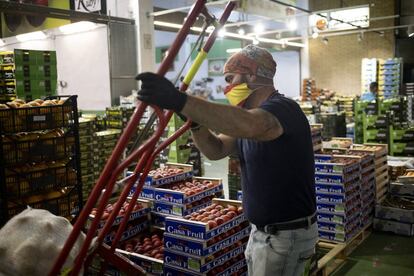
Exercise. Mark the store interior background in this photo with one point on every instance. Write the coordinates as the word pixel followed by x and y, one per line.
pixel 334 61
pixel 99 65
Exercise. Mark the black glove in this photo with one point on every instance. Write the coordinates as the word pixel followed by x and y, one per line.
pixel 194 125
pixel 157 90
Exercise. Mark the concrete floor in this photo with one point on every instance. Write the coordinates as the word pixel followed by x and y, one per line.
pixel 381 254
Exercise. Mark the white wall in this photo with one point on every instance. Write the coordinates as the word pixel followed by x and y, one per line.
pixel 287 79
pixel 82 63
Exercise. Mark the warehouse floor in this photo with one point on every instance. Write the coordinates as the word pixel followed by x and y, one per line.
pixel 381 254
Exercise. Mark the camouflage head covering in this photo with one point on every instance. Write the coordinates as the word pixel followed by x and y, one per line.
pixel 252 60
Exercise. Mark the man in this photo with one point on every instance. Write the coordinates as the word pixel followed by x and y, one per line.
pixel 372 94
pixel 272 137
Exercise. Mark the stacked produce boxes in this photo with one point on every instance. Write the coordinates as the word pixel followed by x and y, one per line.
pixel 104 143
pixel 210 241
pixel 7 80
pixel 117 117
pixel 333 125
pixel 367 191
pixel 396 212
pixel 389 77
pixel 87 128
pixel 369 73
pixel 346 104
pixel 381 168
pixel 39 157
pixel 316 132
pixel 338 199
pixel 309 91
pixel 362 109
pixel 28 73
pixel 234 177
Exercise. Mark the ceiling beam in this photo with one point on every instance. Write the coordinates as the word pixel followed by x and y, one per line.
pixel 36 10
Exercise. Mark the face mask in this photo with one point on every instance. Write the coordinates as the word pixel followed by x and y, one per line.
pixel 237 93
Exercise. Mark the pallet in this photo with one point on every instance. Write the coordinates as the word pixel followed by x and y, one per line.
pixel 338 252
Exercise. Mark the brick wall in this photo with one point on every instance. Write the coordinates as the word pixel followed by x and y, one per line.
pixel 337 65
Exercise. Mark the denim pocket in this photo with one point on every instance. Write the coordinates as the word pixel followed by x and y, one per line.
pixel 280 244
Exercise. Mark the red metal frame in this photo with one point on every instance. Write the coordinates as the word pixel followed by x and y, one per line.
pixel 146 154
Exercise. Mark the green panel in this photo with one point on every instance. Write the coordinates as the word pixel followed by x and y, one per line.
pixel 159 53
pixel 219 48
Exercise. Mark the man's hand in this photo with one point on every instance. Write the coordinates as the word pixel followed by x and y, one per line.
pixel 157 90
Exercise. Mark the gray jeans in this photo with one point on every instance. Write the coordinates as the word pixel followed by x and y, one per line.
pixel 285 253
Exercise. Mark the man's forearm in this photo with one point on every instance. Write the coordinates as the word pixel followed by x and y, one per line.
pixel 229 120
pixel 209 144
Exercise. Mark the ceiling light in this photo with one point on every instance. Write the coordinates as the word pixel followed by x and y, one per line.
pixel 221 32
pixel 325 41
pixel 241 31
pixel 77 27
pixel 258 28
pixel 255 41
pixel 233 50
pixel 210 29
pixel 315 35
pixel 31 36
pixel 410 31
pixel 278 35
pixel 292 24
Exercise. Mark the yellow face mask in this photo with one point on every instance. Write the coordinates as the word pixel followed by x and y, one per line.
pixel 237 93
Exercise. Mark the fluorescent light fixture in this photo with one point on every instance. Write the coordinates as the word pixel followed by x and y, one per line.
pixel 2 42
pixel 221 32
pixel 255 41
pixel 232 35
pixel 77 27
pixel 241 31
pixel 258 28
pixel 31 36
pixel 292 24
pixel 410 31
pixel 233 50
pixel 315 35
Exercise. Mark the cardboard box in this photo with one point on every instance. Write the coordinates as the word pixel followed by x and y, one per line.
pixel 400 228
pixel 200 230
pixel 187 174
pixel 336 188
pixel 391 213
pixel 177 271
pixel 338 208
pixel 149 264
pixel 402 189
pixel 201 264
pixel 178 197
pixel 200 247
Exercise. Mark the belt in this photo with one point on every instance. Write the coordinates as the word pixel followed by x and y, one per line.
pixel 297 224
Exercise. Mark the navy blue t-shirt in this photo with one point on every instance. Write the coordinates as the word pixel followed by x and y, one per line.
pixel 278 175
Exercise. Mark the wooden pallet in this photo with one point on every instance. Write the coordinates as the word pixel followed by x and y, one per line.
pixel 338 252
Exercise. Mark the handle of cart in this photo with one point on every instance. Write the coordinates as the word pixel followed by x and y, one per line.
pixel 145 154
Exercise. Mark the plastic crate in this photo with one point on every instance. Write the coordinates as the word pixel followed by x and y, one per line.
pixel 31 180
pixel 41 147
pixel 15 120
pixel 65 205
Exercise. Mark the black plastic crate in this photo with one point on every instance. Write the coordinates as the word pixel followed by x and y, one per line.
pixel 32 180
pixel 66 205
pixel 37 147
pixel 15 120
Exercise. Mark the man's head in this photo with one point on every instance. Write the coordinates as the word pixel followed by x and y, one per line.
pixel 373 87
pixel 252 64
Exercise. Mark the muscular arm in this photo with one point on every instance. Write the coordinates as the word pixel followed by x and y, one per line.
pixel 213 146
pixel 231 121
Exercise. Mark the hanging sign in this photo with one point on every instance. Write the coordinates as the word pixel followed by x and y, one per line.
pixel 87 5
